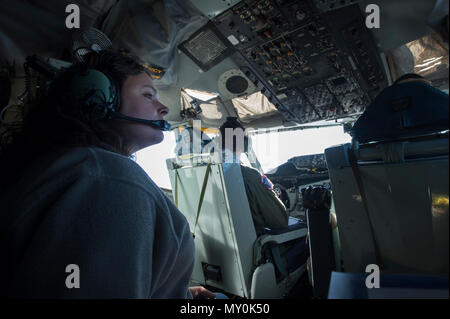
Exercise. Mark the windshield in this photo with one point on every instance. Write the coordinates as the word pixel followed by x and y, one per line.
pixel 272 149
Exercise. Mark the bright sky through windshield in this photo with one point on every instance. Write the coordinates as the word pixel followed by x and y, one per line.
pixel 272 149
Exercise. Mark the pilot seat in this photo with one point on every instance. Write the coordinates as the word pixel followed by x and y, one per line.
pixel 390 185
pixel 229 256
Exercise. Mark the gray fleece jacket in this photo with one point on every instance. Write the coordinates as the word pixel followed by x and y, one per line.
pixel 101 212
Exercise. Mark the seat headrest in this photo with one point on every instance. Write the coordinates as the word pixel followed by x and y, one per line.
pixel 403 110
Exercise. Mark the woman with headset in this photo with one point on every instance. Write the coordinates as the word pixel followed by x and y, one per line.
pixel 79 218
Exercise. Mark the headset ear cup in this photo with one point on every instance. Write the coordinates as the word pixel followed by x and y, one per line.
pixel 113 104
pixel 98 111
pixel 96 91
pixel 91 110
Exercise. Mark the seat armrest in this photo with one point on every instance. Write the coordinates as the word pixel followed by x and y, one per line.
pixel 292 227
pixel 290 234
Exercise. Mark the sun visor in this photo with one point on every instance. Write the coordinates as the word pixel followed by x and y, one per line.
pixel 427 56
pixel 253 107
pixel 255 111
pixel 213 112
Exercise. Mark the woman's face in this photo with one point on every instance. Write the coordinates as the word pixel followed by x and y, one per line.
pixel 139 98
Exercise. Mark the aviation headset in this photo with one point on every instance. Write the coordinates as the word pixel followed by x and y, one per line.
pixel 99 95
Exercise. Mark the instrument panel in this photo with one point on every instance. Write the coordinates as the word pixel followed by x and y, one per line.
pixel 311 64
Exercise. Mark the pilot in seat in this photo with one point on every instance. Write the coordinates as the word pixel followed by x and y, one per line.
pixel 268 211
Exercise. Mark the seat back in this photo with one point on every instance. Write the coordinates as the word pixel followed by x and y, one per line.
pixel 406 192
pixel 403 110
pixel 224 234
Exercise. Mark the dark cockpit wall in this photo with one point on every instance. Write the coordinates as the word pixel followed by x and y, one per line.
pixel 273 63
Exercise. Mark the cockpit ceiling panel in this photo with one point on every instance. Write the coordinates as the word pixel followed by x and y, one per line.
pixel 311 63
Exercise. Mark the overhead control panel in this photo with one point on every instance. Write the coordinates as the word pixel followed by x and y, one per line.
pixel 312 64
pixel 327 5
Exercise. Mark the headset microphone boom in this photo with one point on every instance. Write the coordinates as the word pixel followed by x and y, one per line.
pixel 158 124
